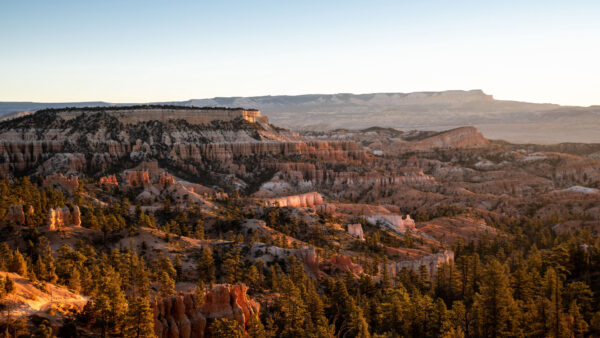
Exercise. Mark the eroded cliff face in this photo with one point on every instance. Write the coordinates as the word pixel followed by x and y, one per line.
pixel 98 143
pixel 182 315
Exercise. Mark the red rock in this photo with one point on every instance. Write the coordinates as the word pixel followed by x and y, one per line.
pixel 180 316
pixel 109 180
pixel 59 217
pixel 16 214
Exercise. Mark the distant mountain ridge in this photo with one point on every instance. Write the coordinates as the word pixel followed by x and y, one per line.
pixel 515 121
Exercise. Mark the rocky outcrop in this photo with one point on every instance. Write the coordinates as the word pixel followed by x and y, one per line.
pixel 356 231
pixel 18 215
pixel 182 316
pixel 109 180
pixel 431 262
pixel 308 200
pixel 393 222
pixel 67 184
pixel 60 217
pixel 135 178
pixel 326 208
pixel 309 257
pixel 166 180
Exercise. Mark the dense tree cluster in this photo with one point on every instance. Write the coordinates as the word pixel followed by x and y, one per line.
pixel 530 282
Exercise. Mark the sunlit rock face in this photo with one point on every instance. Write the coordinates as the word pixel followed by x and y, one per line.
pixel 356 230
pixel 182 315
pixel 308 200
pixel 396 223
pixel 59 217
pixel 230 147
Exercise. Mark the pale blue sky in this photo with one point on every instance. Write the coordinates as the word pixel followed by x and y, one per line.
pixel 135 51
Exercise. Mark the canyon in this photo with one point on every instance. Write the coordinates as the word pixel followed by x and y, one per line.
pixel 350 204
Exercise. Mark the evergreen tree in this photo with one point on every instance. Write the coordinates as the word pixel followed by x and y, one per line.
pixel 140 319
pixel 232 265
pixel 18 264
pixel 167 285
pixel 178 268
pixel 494 300
pixel 206 266
pixel 226 328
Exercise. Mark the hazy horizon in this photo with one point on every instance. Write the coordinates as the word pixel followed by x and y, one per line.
pixel 532 51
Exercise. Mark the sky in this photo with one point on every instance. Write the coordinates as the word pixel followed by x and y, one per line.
pixel 143 51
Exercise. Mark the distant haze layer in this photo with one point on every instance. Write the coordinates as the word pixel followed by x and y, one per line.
pixel 513 121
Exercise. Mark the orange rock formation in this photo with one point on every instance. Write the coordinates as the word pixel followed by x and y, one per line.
pixel 59 217
pixel 182 316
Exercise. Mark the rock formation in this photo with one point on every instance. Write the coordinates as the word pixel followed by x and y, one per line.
pixel 309 257
pixel 60 217
pixel 308 200
pixel 135 178
pixel 393 222
pixel 16 214
pixel 356 230
pixel 166 180
pixel 109 180
pixel 182 316
pixel 431 262
pixel 326 208
pixel 60 181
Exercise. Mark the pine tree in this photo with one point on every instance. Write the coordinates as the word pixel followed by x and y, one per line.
pixel 206 266
pixel 140 319
pixel 256 329
pixel 553 290
pixel 75 281
pixel 9 285
pixel 232 265
pixel 579 325
pixel 494 300
pixel 167 285
pixel 226 328
pixel 178 268
pixel 18 264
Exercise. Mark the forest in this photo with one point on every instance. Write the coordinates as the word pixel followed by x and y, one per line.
pixel 530 283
